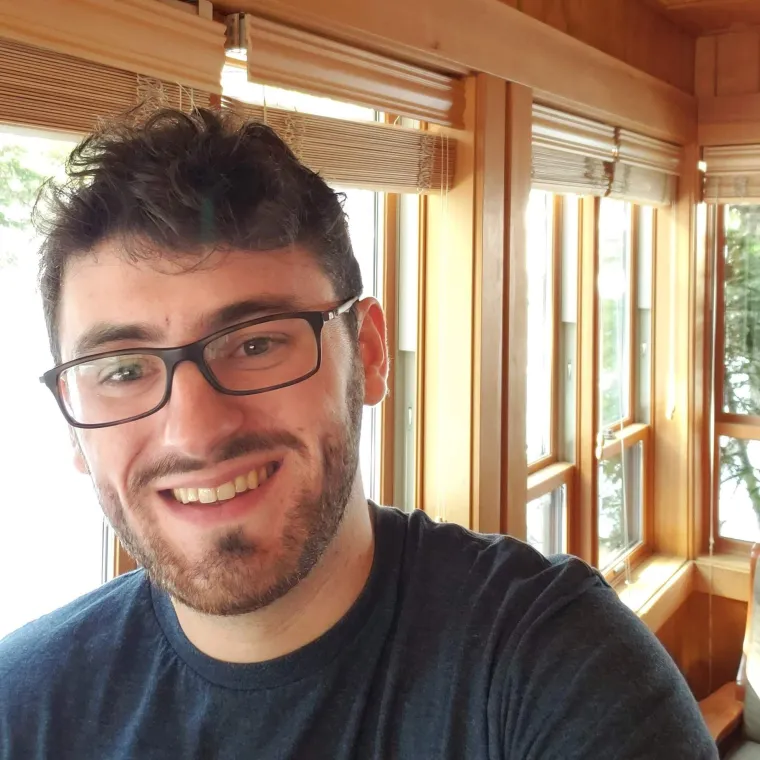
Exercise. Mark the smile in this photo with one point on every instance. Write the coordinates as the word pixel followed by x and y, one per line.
pixel 228 490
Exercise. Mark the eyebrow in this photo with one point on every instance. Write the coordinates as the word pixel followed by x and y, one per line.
pixel 103 333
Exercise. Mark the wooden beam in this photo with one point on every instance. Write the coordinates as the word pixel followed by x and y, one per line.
pixel 447 310
pixel 488 329
pixel 515 467
pixel 729 119
pixel 142 36
pixel 491 37
pixel 676 447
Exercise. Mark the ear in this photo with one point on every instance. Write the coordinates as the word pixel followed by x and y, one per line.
pixel 79 461
pixel 373 349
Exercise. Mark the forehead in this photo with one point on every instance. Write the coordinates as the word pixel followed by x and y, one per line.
pixel 173 294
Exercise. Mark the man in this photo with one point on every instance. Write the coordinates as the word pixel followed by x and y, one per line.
pixel 212 360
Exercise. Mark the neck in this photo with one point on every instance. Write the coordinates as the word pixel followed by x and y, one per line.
pixel 307 611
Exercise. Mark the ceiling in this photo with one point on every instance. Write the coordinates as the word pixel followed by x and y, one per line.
pixel 706 16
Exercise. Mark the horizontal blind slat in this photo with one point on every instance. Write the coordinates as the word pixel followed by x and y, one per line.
pixel 370 155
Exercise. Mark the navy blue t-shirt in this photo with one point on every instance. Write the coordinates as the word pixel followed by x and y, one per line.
pixel 460 646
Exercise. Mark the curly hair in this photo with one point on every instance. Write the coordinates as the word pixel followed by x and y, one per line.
pixel 177 184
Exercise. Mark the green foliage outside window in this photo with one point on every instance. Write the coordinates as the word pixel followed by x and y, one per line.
pixel 741 366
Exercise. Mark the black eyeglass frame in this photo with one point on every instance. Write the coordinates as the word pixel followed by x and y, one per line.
pixel 193 352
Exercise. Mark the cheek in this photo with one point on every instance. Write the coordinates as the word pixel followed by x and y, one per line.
pixel 314 404
pixel 108 454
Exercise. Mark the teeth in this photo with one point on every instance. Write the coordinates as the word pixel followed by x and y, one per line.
pixel 207 495
pixel 225 491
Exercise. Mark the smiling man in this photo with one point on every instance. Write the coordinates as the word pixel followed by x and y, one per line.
pixel 213 354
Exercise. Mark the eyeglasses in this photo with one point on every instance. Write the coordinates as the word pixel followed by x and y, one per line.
pixel 260 355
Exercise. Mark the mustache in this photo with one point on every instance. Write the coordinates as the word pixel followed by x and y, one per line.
pixel 250 443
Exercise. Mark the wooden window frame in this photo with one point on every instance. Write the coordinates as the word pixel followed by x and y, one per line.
pixel 631 435
pixel 633 258
pixel 628 432
pixel 552 456
pixel 550 472
pixel 742 426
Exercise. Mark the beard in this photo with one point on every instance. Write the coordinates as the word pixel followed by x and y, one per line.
pixel 237 574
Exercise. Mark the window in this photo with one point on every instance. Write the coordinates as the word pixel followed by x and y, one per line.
pixel 737 423
pixel 365 212
pixel 47 505
pixel 624 287
pixel 541 320
pixel 614 284
pixel 384 230
pixel 620 503
pixel 546 521
pixel 552 273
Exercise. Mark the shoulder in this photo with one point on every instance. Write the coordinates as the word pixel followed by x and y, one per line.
pixel 71 636
pixel 445 565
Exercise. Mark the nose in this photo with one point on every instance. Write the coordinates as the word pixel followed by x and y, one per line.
pixel 197 417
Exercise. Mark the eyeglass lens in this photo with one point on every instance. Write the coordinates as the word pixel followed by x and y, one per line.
pixel 253 358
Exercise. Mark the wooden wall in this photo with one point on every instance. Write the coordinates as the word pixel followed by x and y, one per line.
pixel 687 637
pixel 629 30
pixel 727 83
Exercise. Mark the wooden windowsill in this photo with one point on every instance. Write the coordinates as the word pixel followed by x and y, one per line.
pixel 723 575
pixel 657 588
pixel 661 584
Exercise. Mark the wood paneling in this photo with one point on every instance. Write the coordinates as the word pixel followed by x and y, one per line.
pixel 704 637
pixel 737 63
pixel 626 29
pixel 494 38
pixel 727 82
pixel 702 16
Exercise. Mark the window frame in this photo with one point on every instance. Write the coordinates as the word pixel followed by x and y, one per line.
pixel 633 258
pixel 629 432
pixel 552 456
pixel 742 426
pixel 550 472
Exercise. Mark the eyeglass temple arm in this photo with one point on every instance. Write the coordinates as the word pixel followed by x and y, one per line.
pixel 342 309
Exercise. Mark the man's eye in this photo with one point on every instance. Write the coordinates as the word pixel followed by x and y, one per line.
pixel 256 346
pixel 124 374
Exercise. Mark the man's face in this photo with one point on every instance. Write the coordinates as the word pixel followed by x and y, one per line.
pixel 295 450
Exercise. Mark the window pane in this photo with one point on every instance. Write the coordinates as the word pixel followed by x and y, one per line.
pixel 644 311
pixel 405 390
pixel 568 327
pixel 540 323
pixel 739 494
pixel 614 286
pixel 362 208
pixel 741 290
pixel 546 518
pixel 621 491
pixel 51 527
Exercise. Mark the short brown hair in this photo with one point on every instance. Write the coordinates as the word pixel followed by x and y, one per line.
pixel 177 183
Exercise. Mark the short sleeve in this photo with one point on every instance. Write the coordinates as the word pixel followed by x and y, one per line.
pixel 586 679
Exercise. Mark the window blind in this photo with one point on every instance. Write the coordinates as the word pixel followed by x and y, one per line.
pixel 54 91
pixel 368 155
pixel 574 154
pixel 174 42
pixel 281 56
pixel 733 174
